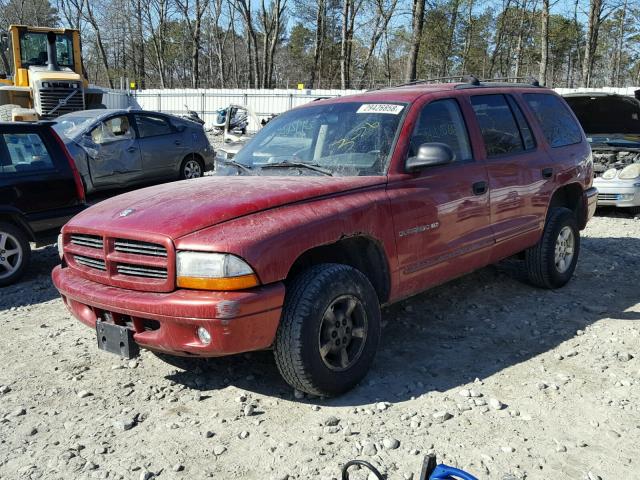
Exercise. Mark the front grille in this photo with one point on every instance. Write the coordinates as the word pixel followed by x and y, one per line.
pixel 139 248
pixel 91 241
pixel 58 100
pixel 91 262
pixel 607 196
pixel 141 271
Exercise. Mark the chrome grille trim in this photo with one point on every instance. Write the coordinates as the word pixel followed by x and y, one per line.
pixel 140 271
pixel 90 262
pixel 139 248
pixel 50 98
pixel 91 241
pixel 607 196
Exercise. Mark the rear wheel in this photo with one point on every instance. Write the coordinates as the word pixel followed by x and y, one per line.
pixel 192 167
pixel 14 253
pixel 6 112
pixel 552 261
pixel 329 331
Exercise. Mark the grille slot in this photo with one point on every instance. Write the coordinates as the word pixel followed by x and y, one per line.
pixel 141 271
pixel 139 248
pixel 90 262
pixel 607 196
pixel 50 98
pixel 91 241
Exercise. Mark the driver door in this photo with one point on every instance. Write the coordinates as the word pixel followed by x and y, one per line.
pixel 114 152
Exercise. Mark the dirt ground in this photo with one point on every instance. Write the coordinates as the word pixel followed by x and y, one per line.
pixel 499 378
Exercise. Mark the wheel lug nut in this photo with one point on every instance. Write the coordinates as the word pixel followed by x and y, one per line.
pixel 344 321
pixel 334 334
pixel 338 342
pixel 338 324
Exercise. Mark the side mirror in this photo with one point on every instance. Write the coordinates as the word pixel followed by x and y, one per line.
pixel 429 155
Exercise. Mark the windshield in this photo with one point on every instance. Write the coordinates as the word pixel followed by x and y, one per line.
pixel 33 49
pixel 71 126
pixel 346 139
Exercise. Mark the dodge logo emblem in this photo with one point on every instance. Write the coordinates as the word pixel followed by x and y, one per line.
pixel 126 212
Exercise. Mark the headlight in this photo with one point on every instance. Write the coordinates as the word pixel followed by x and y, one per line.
pixel 630 172
pixel 60 247
pixel 213 271
pixel 609 174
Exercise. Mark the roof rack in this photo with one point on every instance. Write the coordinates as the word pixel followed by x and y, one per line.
pixel 469 81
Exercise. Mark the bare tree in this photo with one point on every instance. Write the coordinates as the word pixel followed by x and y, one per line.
pixel 417 12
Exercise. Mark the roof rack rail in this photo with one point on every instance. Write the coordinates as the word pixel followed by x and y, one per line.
pixel 505 81
pixel 471 79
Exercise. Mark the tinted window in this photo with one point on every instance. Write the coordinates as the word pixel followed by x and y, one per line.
pixel 525 130
pixel 557 124
pixel 116 128
pixel 149 126
pixel 441 121
pixel 499 129
pixel 27 153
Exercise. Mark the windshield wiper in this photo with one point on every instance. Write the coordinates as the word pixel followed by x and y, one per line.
pixel 239 165
pixel 288 164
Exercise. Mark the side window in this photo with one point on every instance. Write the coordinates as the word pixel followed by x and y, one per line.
pixel 150 126
pixel 442 122
pixel 27 153
pixel 116 128
pixel 499 129
pixel 558 126
pixel 525 130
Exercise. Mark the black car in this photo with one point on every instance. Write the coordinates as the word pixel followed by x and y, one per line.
pixel 40 189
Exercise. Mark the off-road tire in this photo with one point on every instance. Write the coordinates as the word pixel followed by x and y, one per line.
pixel 23 243
pixel 185 162
pixel 5 112
pixel 297 349
pixel 540 259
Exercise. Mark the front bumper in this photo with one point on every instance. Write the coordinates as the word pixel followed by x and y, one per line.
pixel 618 193
pixel 238 321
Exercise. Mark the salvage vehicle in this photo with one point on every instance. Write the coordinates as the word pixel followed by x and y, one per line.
pixel 40 190
pixel 341 206
pixel 612 125
pixel 119 148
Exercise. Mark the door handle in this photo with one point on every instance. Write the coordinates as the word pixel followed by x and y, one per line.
pixel 479 188
pixel 132 149
pixel 547 172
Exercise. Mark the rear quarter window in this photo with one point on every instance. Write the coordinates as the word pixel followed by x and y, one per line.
pixel 555 119
pixel 26 153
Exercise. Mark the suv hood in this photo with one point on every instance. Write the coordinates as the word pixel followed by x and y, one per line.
pixel 179 208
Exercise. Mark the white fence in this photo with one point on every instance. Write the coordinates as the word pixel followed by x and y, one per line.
pixel 207 101
pixel 262 102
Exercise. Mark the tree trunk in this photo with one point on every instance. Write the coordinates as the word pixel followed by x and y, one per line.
pixel 414 48
pixel 344 38
pixel 595 11
pixel 544 43
pixel 319 40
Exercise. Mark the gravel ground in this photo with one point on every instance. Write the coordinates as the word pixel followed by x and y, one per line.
pixel 499 378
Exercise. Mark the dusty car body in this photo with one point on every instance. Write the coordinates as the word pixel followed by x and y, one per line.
pixel 120 148
pixel 612 125
pixel 346 205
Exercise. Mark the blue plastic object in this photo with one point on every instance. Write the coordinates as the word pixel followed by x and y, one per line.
pixel 444 472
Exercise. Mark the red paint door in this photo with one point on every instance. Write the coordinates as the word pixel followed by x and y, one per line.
pixel 442 226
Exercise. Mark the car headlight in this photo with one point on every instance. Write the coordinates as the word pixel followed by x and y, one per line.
pixel 630 172
pixel 213 271
pixel 60 247
pixel 609 174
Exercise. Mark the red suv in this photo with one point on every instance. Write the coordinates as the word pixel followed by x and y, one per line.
pixel 332 210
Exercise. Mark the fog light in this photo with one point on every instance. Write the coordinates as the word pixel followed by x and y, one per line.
pixel 204 335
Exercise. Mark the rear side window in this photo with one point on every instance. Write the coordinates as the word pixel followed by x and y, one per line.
pixel 557 124
pixel 525 130
pixel 498 125
pixel 27 153
pixel 150 126
pixel 441 121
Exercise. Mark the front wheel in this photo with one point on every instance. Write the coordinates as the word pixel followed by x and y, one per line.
pixel 329 331
pixel 14 253
pixel 191 167
pixel 551 262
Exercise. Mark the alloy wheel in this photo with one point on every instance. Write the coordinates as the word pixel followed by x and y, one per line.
pixel 192 169
pixel 11 254
pixel 565 247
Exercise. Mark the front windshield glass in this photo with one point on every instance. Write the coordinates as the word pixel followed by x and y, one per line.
pixel 72 125
pixel 346 139
pixel 33 49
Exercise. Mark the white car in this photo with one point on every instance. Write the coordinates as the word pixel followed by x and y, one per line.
pixel 612 125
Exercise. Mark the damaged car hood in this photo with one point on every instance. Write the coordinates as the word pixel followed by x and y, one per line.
pixel 180 208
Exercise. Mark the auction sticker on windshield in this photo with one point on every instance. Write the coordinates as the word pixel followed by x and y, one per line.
pixel 380 108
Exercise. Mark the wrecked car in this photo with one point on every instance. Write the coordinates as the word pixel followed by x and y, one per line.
pixel 120 148
pixel 346 205
pixel 612 125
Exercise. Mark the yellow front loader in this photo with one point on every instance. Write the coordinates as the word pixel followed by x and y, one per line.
pixel 42 75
